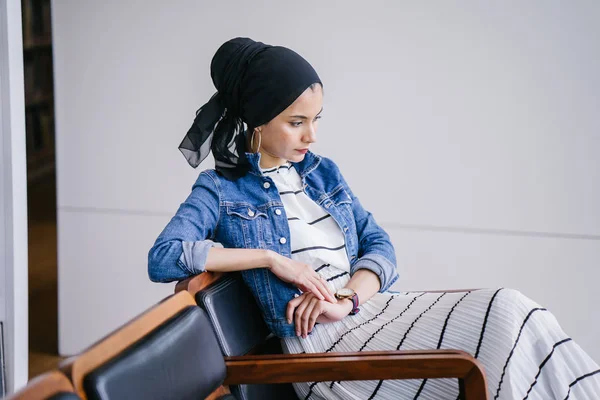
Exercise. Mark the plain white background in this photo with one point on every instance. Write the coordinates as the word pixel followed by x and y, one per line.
pixel 470 131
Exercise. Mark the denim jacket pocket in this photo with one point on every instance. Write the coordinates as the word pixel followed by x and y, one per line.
pixel 253 223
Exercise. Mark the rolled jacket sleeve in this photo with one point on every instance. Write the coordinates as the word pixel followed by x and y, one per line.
pixel 194 254
pixel 181 250
pixel 381 266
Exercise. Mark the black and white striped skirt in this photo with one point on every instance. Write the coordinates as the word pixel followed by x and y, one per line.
pixel 525 353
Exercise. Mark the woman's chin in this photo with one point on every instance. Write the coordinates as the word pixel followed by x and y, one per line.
pixel 297 157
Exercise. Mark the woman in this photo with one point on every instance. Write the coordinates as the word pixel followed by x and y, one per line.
pixel 316 261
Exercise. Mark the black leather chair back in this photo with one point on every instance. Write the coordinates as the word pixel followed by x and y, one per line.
pixel 181 359
pixel 240 328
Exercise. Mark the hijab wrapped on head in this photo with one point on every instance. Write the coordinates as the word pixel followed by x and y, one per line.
pixel 255 82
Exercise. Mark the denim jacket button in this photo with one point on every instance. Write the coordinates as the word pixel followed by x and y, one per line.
pixel 283 240
pixel 266 185
pixel 250 213
pixel 278 212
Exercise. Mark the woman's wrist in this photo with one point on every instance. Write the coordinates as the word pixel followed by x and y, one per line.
pixel 268 257
pixel 346 305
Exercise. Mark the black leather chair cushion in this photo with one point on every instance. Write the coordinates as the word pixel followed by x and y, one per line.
pixel 179 360
pixel 234 314
pixel 279 391
pixel 64 396
pixel 239 327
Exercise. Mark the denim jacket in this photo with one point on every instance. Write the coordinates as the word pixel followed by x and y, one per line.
pixel 241 214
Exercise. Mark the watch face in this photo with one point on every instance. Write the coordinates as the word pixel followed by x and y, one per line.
pixel 344 292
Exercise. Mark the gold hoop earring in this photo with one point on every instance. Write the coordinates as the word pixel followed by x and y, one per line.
pixel 259 140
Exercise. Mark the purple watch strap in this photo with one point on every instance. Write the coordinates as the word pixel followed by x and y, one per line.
pixel 355 303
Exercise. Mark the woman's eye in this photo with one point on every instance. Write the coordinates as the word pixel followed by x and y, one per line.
pixel 299 123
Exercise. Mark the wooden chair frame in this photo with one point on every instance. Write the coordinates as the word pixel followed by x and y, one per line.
pixel 43 386
pixel 318 367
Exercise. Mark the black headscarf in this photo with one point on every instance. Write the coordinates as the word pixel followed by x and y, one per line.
pixel 255 82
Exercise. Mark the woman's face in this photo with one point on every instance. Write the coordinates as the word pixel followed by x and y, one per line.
pixel 288 136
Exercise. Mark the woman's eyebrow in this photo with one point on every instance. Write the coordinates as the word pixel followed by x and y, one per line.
pixel 305 117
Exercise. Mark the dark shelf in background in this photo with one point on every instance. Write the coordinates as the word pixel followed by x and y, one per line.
pixel 41 186
pixel 39 90
pixel 38 100
pixel 37 43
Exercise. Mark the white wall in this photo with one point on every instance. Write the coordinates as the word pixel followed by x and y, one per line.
pixel 13 197
pixel 482 117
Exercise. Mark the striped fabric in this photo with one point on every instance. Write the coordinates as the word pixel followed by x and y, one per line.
pixel 525 353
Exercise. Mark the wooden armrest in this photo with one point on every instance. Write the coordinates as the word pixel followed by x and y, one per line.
pixel 198 282
pixel 366 365
pixel 44 386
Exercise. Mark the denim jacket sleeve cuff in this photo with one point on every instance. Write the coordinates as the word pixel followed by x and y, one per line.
pixel 381 266
pixel 193 257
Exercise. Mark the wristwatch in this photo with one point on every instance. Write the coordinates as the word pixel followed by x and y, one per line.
pixel 347 293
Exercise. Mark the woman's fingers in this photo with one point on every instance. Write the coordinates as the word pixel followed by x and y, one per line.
pixel 291 307
pixel 306 314
pixel 311 286
pixel 324 282
pixel 312 318
pixel 299 313
pixel 304 310
pixel 310 281
pixel 330 288
pixel 324 289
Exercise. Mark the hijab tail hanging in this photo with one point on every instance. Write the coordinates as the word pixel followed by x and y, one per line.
pixel 196 144
pixel 229 147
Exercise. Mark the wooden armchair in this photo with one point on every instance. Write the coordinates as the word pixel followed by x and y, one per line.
pixel 172 351
pixel 233 314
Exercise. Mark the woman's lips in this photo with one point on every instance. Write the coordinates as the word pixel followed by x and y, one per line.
pixel 303 151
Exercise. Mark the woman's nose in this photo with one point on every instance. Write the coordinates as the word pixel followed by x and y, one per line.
pixel 311 135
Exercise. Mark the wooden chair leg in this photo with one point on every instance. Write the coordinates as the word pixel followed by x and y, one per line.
pixel 473 386
pixel 461 389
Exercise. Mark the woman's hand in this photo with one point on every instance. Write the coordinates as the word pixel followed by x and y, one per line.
pixel 300 275
pixel 306 309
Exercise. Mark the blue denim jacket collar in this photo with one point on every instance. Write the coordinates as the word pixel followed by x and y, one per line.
pixel 304 167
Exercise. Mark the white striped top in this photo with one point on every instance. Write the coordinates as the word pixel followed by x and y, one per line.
pixel 316 238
